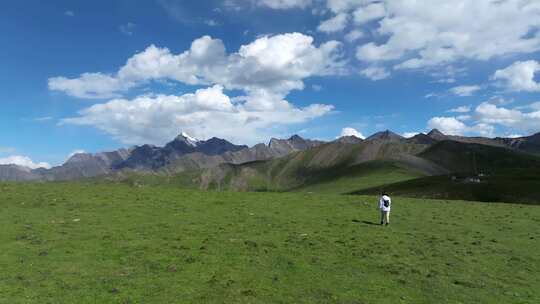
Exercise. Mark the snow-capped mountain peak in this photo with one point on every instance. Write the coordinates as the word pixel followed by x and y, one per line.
pixel 189 139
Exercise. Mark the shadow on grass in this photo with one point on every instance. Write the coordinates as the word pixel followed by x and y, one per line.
pixel 366 222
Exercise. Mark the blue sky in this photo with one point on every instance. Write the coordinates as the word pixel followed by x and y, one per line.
pixel 99 75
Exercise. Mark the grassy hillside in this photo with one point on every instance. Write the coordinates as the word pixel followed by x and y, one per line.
pixel 367 168
pixel 466 158
pixel 511 176
pixel 361 176
pixel 273 176
pixel 84 243
pixel 334 167
pixel 517 186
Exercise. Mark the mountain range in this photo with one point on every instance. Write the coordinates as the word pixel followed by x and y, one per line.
pixel 425 165
pixel 296 163
pixel 182 153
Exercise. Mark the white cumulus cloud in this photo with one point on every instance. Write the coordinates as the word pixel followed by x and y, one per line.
pixel 427 33
pixel 334 24
pixel 23 161
pixel 275 64
pixel 353 35
pixel 486 116
pixel 519 76
pixel 461 109
pixel 348 131
pixel 375 73
pixel 517 120
pixel 447 125
pixel 465 90
pixel 284 4
pixel 453 126
pixel 369 12
pixel 338 6
pixel 203 114
pixel 264 71
pixel 90 85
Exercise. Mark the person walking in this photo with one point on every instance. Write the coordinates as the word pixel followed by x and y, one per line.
pixel 385 204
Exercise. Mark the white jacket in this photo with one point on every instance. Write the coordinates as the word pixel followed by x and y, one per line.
pixel 381 203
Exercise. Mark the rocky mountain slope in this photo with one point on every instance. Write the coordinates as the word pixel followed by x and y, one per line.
pixel 181 154
pixel 148 157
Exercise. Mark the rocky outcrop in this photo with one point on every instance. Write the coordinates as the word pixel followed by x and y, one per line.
pixel 275 148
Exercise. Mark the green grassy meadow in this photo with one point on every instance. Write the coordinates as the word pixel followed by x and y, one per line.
pixel 98 243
